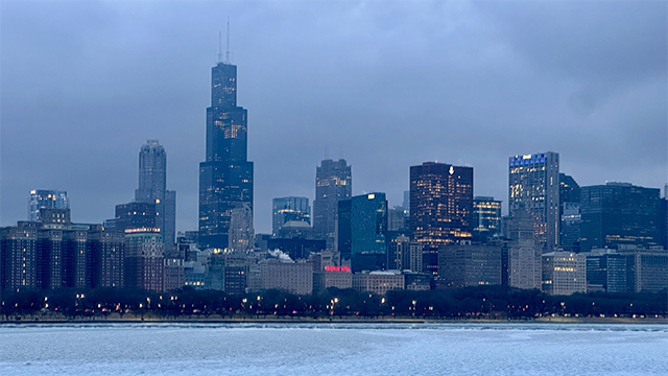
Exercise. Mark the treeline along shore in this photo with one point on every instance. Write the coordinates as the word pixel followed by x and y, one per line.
pixel 484 303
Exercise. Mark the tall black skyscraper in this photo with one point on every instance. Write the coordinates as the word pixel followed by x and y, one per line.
pixel 617 214
pixel 226 177
pixel 153 189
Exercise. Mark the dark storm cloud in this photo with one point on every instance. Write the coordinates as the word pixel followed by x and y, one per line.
pixel 386 85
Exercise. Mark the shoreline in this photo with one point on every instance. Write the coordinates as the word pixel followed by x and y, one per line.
pixel 217 319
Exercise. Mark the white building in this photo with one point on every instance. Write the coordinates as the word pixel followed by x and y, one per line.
pixel 378 282
pixel 564 273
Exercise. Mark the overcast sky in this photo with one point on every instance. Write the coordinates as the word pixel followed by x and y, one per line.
pixel 385 85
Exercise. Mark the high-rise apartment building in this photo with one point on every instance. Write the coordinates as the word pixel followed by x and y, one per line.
pixel 333 182
pixel 18 256
pixel 441 207
pixel 617 214
pixel 144 260
pixel 226 177
pixel 46 199
pixel 153 189
pixel 284 209
pixel 534 186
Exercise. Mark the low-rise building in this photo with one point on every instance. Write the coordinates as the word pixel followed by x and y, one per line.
pixel 378 282
pixel 564 273
pixel 290 276
pixel 332 276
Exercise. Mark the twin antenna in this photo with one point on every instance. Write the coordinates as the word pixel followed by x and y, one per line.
pixel 220 48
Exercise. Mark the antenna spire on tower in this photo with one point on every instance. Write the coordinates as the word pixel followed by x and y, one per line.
pixel 227 50
pixel 220 46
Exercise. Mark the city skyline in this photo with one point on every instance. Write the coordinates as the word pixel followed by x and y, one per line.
pixel 604 113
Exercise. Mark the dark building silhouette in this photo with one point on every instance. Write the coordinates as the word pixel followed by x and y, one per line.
pixel 153 189
pixel 463 265
pixel 368 244
pixel 226 177
pixel 569 213
pixel 607 271
pixel 18 256
pixel 362 228
pixel 344 230
pixel 296 248
pixel 617 214
pixel 333 182
pixel 534 186
pixel 441 207
pixel 136 215
pixel 55 253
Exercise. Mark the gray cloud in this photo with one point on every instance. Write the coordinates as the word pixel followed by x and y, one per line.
pixel 393 84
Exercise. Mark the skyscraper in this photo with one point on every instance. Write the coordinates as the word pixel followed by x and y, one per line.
pixel 226 177
pixel 533 181
pixel 284 209
pixel 441 203
pixel 569 213
pixel 487 217
pixel 368 228
pixel 49 199
pixel 620 213
pixel 441 212
pixel 333 182
pixel 153 189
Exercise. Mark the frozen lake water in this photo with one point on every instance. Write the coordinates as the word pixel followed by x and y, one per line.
pixel 334 349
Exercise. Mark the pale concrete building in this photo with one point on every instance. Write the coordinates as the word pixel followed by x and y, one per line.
pixel 564 273
pixel 378 282
pixel 294 277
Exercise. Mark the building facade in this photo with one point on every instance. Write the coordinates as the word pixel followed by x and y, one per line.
pixel 486 218
pixel 564 273
pixel 226 177
pixel 284 209
pixel 153 189
pixel 534 186
pixel 524 268
pixel 46 199
pixel 441 208
pixel 364 220
pixel 378 282
pixel 241 234
pixel 441 203
pixel 463 265
pixel 618 214
pixel 333 182
pixel 144 260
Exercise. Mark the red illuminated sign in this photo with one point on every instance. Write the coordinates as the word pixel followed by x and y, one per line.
pixel 337 268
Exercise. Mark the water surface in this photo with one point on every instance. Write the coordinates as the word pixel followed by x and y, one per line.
pixel 334 349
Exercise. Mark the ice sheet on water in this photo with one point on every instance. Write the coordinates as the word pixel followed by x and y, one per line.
pixel 336 349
